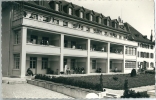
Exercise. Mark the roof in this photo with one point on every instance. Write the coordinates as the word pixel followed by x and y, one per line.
pixel 136 35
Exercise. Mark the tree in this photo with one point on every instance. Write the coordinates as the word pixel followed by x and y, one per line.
pixel 126 89
pixel 101 82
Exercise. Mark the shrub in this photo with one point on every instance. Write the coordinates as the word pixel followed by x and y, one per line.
pixel 115 78
pixel 133 73
pixel 150 72
pixel 132 94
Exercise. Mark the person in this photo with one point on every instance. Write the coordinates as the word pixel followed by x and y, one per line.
pixel 41 42
pixel 116 69
pixel 29 72
pixel 47 42
pixel 68 70
pixel 102 49
pixel 65 68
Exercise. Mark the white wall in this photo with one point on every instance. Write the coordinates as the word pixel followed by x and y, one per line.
pixel 53 63
pixel 100 63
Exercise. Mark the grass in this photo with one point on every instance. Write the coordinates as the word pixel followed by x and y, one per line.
pixel 109 82
pixel 115 81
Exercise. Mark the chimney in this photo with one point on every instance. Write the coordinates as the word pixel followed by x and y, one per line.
pixel 151 37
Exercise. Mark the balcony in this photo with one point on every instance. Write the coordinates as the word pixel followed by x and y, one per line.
pixel 75 52
pixel 130 57
pixel 98 54
pixel 116 56
pixel 42 49
pixel 70 31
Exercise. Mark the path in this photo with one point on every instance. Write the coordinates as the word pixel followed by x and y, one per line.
pixel 28 91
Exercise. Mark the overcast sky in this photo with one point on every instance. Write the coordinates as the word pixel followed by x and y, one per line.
pixel 138 13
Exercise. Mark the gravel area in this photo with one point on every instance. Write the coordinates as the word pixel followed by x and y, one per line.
pixel 29 91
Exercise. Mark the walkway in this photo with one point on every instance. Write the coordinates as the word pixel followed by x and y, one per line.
pixel 28 91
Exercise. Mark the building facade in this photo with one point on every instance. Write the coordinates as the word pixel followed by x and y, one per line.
pixel 48 36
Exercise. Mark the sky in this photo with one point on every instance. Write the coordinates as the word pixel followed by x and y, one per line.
pixel 138 13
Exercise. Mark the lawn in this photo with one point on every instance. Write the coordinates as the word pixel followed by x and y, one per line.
pixel 109 81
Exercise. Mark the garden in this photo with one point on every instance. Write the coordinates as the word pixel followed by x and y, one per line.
pixel 106 81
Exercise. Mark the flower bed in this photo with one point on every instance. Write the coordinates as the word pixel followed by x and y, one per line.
pixel 92 82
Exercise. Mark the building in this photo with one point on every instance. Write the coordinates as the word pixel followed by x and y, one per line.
pixel 49 36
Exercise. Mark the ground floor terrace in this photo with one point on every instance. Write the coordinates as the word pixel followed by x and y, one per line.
pixel 52 64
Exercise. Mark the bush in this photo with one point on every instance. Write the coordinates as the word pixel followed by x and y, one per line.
pixel 150 72
pixel 132 94
pixel 133 73
pixel 115 78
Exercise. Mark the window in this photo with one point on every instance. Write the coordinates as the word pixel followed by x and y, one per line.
pixel 34 16
pixel 81 14
pixel 107 22
pixel 151 46
pixel 70 11
pixel 56 21
pixel 151 64
pixel 46 19
pixel 80 27
pixel 99 20
pixel 126 50
pixel 130 64
pixel 44 63
pixel 73 64
pixel 65 23
pixel 115 26
pixel 93 64
pixel 138 53
pixel 33 39
pixel 73 44
pixel 45 41
pixel 57 7
pixel 87 29
pixel 120 37
pixel 16 61
pixel 151 55
pixel 91 17
pixel 17 37
pixel 33 62
pixel 65 43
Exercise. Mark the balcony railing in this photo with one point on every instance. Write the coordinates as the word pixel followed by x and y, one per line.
pixel 42 49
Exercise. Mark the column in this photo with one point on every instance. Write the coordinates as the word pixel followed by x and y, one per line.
pixel 88 56
pixel 23 51
pixel 123 67
pixel 61 53
pixel 136 52
pixel 108 58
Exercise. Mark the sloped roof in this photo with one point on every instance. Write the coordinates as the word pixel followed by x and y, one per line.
pixel 136 35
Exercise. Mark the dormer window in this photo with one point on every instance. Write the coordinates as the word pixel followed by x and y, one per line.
pixel 107 22
pixel 65 23
pixel 99 20
pixel 115 25
pixel 57 7
pixel 34 16
pixel 87 29
pixel 81 14
pixel 91 17
pixel 70 11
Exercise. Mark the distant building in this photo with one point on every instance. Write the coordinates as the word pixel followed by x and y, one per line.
pixel 46 36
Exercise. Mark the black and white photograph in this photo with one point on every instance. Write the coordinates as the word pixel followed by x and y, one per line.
pixel 78 49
